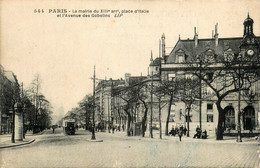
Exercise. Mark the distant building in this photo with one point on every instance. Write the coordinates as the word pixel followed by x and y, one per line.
pixel 9 89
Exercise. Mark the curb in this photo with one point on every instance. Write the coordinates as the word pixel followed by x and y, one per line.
pixel 9 146
pixel 170 138
pixel 95 140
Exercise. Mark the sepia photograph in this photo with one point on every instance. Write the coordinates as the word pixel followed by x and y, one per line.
pixel 134 83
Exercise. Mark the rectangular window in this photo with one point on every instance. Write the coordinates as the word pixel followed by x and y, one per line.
pixel 172 114
pixel 209 76
pixel 181 58
pixel 209 107
pixel 180 114
pixel 209 117
pixel 171 76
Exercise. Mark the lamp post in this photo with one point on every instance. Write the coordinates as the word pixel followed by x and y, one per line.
pixel 93 117
pixel 151 122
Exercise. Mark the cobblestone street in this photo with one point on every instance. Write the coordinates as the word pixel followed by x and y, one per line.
pixel 117 150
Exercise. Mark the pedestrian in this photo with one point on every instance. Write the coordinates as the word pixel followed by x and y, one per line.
pixel 123 127
pixel 113 128
pixel 204 135
pixel 180 134
pixel 184 130
pixel 53 129
pixel 198 133
pixel 172 131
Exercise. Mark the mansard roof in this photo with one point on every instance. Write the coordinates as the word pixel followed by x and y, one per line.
pixel 109 83
pixel 188 46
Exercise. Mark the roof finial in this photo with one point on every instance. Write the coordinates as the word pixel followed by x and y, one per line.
pixel 179 37
pixel 248 15
pixel 163 35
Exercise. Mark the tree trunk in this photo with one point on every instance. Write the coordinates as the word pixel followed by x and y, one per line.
pixel 168 116
pixel 221 119
pixel 160 122
pixel 188 123
pixel 128 125
pixel 13 128
pixel 144 122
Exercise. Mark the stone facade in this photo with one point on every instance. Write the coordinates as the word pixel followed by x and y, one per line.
pixel 178 63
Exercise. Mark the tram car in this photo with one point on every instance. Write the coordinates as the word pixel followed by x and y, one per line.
pixel 69 126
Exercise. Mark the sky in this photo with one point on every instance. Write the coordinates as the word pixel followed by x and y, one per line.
pixel 64 50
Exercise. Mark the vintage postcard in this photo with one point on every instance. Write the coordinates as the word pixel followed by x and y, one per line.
pixel 135 83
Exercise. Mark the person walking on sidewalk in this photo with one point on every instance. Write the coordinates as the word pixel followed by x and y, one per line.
pixel 180 134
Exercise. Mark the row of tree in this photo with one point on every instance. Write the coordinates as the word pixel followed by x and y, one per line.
pixel 221 77
pixel 35 108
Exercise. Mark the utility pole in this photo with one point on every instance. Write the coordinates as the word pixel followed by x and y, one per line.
pixel 200 98
pixel 13 128
pixel 23 111
pixel 109 124
pixel 93 117
pixel 36 104
pixel 151 122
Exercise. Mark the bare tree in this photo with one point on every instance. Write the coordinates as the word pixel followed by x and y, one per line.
pixel 224 77
pixel 35 87
pixel 189 93
pixel 129 95
pixel 159 92
pixel 169 88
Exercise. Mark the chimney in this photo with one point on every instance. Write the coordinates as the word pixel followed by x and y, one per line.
pixel 163 47
pixel 195 37
pixel 160 48
pixel 127 76
pixel 216 35
pixel 151 59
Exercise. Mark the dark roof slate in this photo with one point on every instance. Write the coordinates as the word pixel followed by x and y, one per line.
pixel 203 45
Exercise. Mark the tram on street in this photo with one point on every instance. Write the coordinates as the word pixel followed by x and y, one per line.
pixel 69 126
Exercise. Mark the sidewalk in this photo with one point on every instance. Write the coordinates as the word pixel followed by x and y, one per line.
pixel 5 140
pixel 210 139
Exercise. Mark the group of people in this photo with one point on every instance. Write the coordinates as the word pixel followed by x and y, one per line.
pixel 115 127
pixel 180 131
pixel 200 134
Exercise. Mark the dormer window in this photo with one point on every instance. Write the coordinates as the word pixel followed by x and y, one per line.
pixel 228 55
pixel 180 56
pixel 209 56
pixel 181 59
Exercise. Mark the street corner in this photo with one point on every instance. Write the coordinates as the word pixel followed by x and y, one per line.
pixel 9 144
